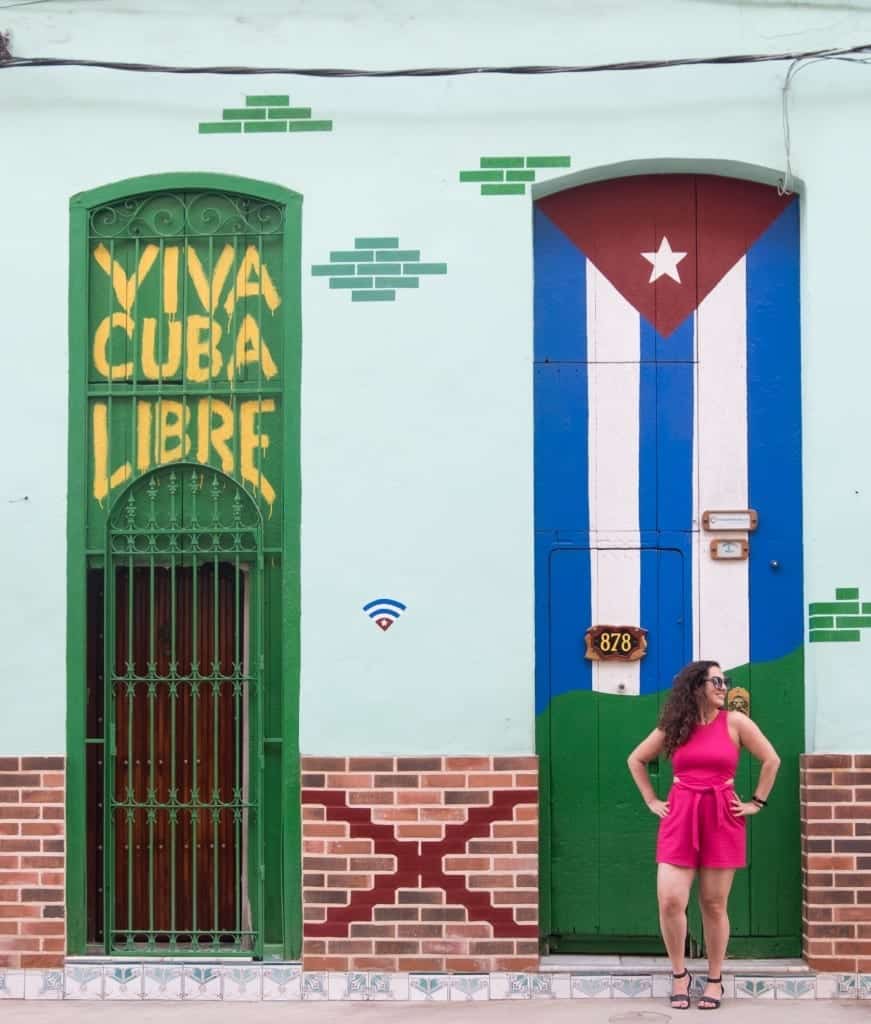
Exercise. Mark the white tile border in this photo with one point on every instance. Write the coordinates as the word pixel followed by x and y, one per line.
pixel 245 981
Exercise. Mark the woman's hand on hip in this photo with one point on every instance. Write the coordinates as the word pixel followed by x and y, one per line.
pixel 741 809
pixel 658 807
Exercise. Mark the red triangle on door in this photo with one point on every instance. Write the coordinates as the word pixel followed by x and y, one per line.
pixel 665 241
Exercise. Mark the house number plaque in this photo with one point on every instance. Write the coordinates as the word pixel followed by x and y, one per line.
pixel 615 643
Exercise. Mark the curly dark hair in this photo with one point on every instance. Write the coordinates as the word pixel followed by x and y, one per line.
pixel 681 711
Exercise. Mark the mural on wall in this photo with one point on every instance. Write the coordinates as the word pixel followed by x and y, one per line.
pixel 667 384
pixel 265 114
pixel 375 269
pixel 197 317
pixel 839 621
pixel 428 861
pixel 384 611
pixel 510 175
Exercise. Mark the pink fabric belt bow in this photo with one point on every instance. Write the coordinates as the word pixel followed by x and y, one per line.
pixel 721 803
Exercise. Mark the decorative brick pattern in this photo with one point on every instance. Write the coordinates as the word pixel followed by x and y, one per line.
pixel 375 268
pixel 420 863
pixel 265 114
pixel 509 175
pixel 839 621
pixel 31 862
pixel 836 861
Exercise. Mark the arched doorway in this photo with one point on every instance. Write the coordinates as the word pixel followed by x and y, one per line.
pixel 667 385
pixel 183 813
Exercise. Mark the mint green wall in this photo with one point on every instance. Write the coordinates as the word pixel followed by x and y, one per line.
pixel 416 413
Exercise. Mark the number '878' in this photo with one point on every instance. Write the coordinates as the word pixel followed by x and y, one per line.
pixel 613 643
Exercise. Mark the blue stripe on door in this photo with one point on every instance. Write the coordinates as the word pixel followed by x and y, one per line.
pixel 562 602
pixel 559 294
pixel 774 439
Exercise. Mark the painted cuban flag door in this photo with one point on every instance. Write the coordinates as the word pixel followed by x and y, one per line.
pixel 667 384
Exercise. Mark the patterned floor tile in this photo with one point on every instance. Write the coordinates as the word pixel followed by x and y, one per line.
pixel 11 984
pixel 551 986
pixel 864 986
pixel 282 983
pixel 510 986
pixel 162 983
pixel 202 983
pixel 123 981
pixel 44 984
pixel 83 981
pixel 315 985
pixel 591 986
pixel 632 986
pixel 837 986
pixel 754 988
pixel 384 986
pixel 352 985
pixel 795 988
pixel 429 987
pixel 470 987
pixel 242 984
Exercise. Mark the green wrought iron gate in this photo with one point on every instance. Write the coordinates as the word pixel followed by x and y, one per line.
pixel 183 663
pixel 183 641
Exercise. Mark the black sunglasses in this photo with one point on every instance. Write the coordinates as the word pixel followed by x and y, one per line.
pixel 719 682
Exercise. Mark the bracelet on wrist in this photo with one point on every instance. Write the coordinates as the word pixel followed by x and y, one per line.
pixel 759 801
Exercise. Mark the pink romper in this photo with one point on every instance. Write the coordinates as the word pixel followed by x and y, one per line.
pixel 700 829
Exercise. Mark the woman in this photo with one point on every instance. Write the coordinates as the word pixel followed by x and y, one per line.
pixel 702 825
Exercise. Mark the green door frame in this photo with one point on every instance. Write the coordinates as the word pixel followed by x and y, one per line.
pixel 77 496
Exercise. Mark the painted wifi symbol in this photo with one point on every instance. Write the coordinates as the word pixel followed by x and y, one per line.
pixel 384 611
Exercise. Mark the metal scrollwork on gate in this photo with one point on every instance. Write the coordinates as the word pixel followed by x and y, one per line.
pixel 200 214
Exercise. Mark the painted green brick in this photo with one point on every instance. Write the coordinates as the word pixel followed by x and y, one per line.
pixel 853 621
pixel 834 636
pixel 267 101
pixel 501 161
pixel 482 175
pixel 290 112
pixel 502 190
pixel 327 270
pixel 834 608
pixel 373 296
pixel 266 126
pixel 378 268
pixel 398 255
pixel 424 268
pixel 220 127
pixel 520 176
pixel 310 126
pixel 350 282
pixel 847 593
pixel 822 622
pixel 376 243
pixel 243 114
pixel 396 282
pixel 351 256
pixel 866 607
pixel 548 161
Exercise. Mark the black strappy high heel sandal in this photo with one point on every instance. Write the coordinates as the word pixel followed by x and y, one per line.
pixel 681 1000
pixel 714 1004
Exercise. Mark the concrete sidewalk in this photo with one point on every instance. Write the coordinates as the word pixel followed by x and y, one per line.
pixel 593 1011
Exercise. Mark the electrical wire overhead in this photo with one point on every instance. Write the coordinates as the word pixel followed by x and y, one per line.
pixel 444 72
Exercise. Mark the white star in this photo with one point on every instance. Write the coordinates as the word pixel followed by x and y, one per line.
pixel 665 261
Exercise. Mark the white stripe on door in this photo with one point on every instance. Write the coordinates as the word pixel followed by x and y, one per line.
pixel 722 612
pixel 614 351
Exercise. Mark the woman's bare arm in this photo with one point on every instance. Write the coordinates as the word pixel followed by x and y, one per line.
pixel 752 738
pixel 647 750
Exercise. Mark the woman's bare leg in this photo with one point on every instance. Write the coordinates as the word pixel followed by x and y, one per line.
pixel 714 887
pixel 673 886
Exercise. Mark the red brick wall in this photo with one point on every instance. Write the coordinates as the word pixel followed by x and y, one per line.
pixel 836 861
pixel 420 863
pixel 31 861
